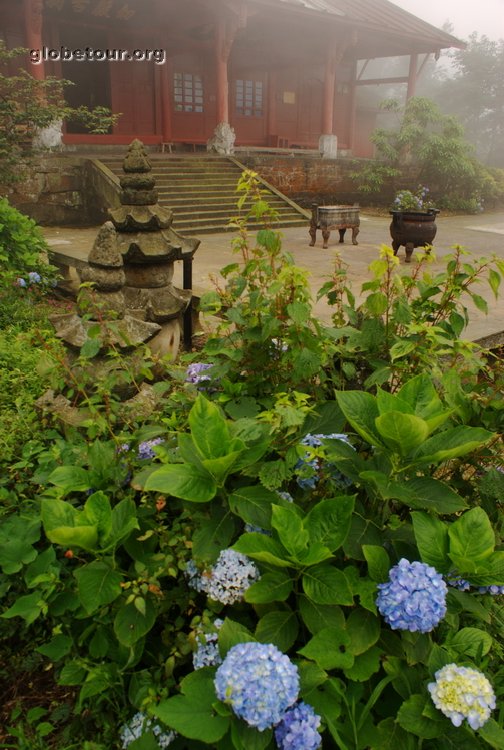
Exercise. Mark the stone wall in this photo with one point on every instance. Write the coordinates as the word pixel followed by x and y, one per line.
pixel 53 191
pixel 74 190
pixel 306 179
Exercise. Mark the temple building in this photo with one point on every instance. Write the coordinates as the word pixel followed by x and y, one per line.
pixel 275 73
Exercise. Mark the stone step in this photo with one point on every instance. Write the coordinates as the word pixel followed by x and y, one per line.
pixel 191 229
pixel 201 192
pixel 192 214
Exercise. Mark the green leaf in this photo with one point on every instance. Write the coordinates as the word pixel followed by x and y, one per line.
pixel 130 624
pixel 421 396
pixel 232 633
pixel 361 411
pixel 71 674
pixel 261 547
pixel 71 479
pixel 43 570
pixel 364 630
pixel 183 481
pixel 401 348
pixel 85 537
pixel 90 348
pixel 402 433
pixel 494 280
pixel 98 584
pixel 99 513
pixel 319 616
pixel 452 443
pixel 472 642
pixel 192 714
pixel 248 738
pixel 213 535
pixel 431 536
pixel 280 627
pixel 378 562
pixel 365 665
pixel 324 584
pixel 411 718
pixel 493 734
pixel 325 419
pixel 329 521
pixel 329 648
pixel 426 493
pixel 271 587
pixel 28 607
pixel 56 648
pixel 290 529
pixel 253 505
pixel 124 521
pixel 17 536
pixel 219 468
pixel 376 303
pixel 67 526
pixel 472 537
pixel 209 429
pixel 480 302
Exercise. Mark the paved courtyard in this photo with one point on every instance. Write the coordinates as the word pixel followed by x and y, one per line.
pixel 482 235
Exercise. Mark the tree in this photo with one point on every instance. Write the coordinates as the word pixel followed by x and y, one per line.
pixel 431 148
pixel 472 89
pixel 28 105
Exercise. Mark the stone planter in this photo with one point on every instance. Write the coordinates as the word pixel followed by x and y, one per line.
pixel 412 229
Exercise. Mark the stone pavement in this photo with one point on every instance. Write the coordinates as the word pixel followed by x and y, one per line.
pixel 481 235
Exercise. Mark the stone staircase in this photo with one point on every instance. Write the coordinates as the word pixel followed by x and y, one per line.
pixel 201 192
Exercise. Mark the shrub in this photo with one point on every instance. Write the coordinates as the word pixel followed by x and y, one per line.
pixel 338 609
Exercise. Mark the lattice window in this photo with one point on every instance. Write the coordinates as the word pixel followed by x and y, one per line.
pixel 249 98
pixel 188 92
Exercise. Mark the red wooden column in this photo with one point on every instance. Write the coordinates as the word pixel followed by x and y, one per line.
pixel 166 102
pixel 223 44
pixel 272 106
pixel 329 83
pixel 412 76
pixel 32 11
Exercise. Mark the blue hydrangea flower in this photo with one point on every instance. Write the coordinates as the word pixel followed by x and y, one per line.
pixel 193 576
pixel 414 599
pixel 462 693
pixel 285 496
pixel 207 653
pixel 34 277
pixel 258 682
pixel 309 468
pixel 456 582
pixel 141 723
pixel 298 729
pixel 493 590
pixel 20 282
pixel 230 577
pixel 145 449
pixel 195 372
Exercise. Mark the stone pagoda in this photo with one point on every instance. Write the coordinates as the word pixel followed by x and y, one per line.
pixel 131 266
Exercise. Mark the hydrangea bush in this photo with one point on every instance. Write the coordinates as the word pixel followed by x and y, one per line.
pixel 196 585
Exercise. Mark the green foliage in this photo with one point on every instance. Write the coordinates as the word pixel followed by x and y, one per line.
pixel 105 552
pixel 28 105
pixel 432 146
pixel 22 250
pixel 269 341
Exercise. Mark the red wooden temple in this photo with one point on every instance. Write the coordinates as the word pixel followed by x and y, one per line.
pixel 279 72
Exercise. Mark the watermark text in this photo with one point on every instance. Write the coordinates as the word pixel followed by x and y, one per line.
pixel 92 54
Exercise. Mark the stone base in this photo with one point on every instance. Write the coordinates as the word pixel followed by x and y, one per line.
pixel 223 139
pixel 167 341
pixel 328 146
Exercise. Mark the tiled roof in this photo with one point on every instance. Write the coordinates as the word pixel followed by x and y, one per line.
pixel 381 16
